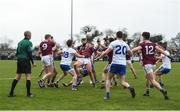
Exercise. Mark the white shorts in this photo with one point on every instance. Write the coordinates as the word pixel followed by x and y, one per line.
pixel 128 62
pixel 149 68
pixel 47 60
pixel 84 60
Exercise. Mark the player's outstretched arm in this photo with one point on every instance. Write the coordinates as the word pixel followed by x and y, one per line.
pixel 104 53
pixel 78 55
pixel 136 49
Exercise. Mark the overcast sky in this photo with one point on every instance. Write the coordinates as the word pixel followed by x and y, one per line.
pixel 53 16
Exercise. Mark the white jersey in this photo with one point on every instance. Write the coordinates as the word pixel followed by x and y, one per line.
pixel 67 56
pixel 120 49
pixel 166 61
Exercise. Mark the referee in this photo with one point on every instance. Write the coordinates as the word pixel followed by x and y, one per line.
pixel 24 57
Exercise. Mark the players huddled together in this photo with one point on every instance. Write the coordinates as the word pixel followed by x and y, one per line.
pixel 119 55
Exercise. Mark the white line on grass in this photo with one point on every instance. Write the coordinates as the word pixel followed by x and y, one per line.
pixel 13 78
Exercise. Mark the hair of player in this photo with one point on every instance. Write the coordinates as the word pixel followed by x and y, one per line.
pixel 69 42
pixel 146 35
pixel 111 39
pixel 124 37
pixel 27 34
pixel 47 36
pixel 164 45
pixel 119 34
pixel 83 39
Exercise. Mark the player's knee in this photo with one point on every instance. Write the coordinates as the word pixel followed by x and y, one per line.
pixel 18 77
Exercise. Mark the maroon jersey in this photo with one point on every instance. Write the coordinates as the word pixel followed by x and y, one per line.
pixel 148 52
pixel 80 49
pixel 86 50
pixel 46 47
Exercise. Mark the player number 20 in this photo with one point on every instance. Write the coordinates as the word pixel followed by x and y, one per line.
pixel 120 49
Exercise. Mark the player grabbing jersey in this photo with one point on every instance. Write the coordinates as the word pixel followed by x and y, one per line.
pixel 67 55
pixel 148 59
pixel 87 50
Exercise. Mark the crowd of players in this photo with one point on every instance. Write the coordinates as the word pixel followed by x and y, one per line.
pixel 119 55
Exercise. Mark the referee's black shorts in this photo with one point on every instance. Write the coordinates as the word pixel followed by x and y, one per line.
pixel 23 66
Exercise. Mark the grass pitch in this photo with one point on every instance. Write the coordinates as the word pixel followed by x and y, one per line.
pixel 87 97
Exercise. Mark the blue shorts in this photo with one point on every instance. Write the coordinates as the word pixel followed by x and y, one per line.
pixel 85 72
pixel 65 67
pixel 164 70
pixel 118 69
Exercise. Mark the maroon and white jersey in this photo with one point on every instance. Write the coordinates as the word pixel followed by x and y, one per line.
pixel 148 52
pixel 46 47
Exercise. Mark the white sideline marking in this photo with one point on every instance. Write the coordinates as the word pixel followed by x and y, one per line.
pixel 14 78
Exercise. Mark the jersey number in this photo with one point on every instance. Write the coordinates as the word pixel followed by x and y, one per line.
pixel 66 54
pixel 44 46
pixel 149 50
pixel 120 50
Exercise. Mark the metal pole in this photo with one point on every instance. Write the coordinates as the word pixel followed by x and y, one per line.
pixel 71 19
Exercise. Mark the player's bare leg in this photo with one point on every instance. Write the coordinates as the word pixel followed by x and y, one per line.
pixel 151 78
pixel 126 85
pixel 104 78
pixel 43 69
pixel 49 74
pixel 159 75
pixel 76 65
pixel 89 69
pixel 60 78
pixel 147 89
pixel 74 80
pixel 132 70
pixel 108 85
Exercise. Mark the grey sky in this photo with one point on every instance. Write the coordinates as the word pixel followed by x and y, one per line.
pixel 53 16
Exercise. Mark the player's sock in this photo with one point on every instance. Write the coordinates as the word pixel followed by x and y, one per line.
pixel 74 87
pixel 164 92
pixel 28 86
pixel 161 82
pixel 54 77
pixel 14 83
pixel 146 92
pixel 108 94
pixel 103 84
pixel 48 81
pixel 132 91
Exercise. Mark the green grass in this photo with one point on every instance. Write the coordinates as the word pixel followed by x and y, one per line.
pixel 87 97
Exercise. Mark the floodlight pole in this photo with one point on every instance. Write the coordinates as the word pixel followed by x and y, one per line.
pixel 71 19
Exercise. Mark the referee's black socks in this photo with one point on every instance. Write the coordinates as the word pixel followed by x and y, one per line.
pixel 28 86
pixel 14 83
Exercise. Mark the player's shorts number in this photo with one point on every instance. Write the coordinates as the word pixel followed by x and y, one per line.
pixel 120 49
pixel 66 54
